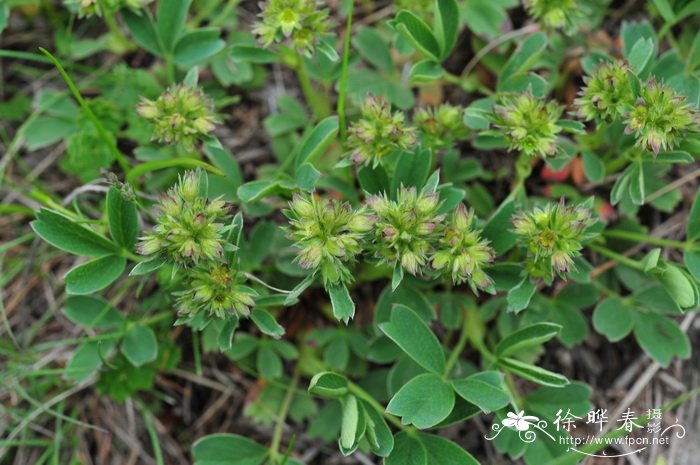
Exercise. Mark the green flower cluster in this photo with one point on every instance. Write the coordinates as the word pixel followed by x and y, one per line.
pixel 660 118
pixel 405 228
pixel 190 234
pixel 607 96
pixel 463 252
pixel 554 14
pixel 300 21
pixel 378 132
pixel 441 126
pixel 529 125
pixel 406 233
pixel 552 236
pixel 181 115
pixel 328 234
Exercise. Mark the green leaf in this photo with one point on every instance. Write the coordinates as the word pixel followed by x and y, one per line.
pixel 519 297
pixel 418 34
pixel 307 176
pixel 146 267
pixel 636 177
pixel 94 275
pixel 71 237
pixel 678 284
pixel 414 337
pixel 446 26
pixel 266 323
pixel 378 434
pixel 196 46
pixel 640 54
pixel 593 166
pixel 227 449
pixel 343 306
pixel 408 450
pixel 693 228
pixel 425 71
pixel 411 170
pixel 692 262
pixel 373 180
pixel 256 190
pixel 142 29
pixel 396 276
pixel 528 336
pixel 660 337
pixel 523 57
pixel 140 346
pixel 328 384
pixel 442 451
pixel 171 21
pixel 478 391
pixel 665 10
pixel 87 359
pixel 318 140
pixel 424 401
pixel 498 228
pixel 253 54
pixel 373 49
pixel 123 219
pixel 533 373
pixel 613 319
pixel 92 312
pixel 268 363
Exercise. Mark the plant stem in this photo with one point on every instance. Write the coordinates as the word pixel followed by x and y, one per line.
pixel 317 102
pixel 646 239
pixel 284 410
pixel 344 76
pixel 461 342
pixel 367 397
pixel 111 144
pixel 616 256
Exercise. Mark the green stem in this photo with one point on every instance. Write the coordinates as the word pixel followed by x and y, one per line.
pixel 367 397
pixel 115 30
pixel 317 102
pixel 152 433
pixel 646 239
pixel 461 342
pixel 282 417
pixel 155 165
pixel 616 256
pixel 111 144
pixel 344 76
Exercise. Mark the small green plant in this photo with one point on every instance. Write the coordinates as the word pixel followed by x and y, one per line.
pixel 341 228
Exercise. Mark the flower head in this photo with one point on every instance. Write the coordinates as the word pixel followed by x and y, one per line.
pixel 554 14
pixel 300 21
pixel 462 252
pixel 660 118
pixel 189 228
pixel 530 125
pixel 405 228
pixel 378 132
pixel 608 95
pixel 181 115
pixel 552 236
pixel 216 290
pixel 328 235
pixel 442 125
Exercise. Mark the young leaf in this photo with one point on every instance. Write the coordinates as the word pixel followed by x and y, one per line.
pixel 328 384
pixel 94 275
pixel 519 297
pixel 446 25
pixel 528 336
pixel 414 337
pixel 65 234
pixel 418 34
pixel 352 426
pixel 196 46
pixel 140 346
pixel 343 306
pixel 171 21
pixel 122 217
pixel 142 29
pixel 640 54
pixel 147 266
pixel 378 434
pixel 613 319
pixel 318 140
pixel 266 323
pixel 533 373
pixel 424 401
